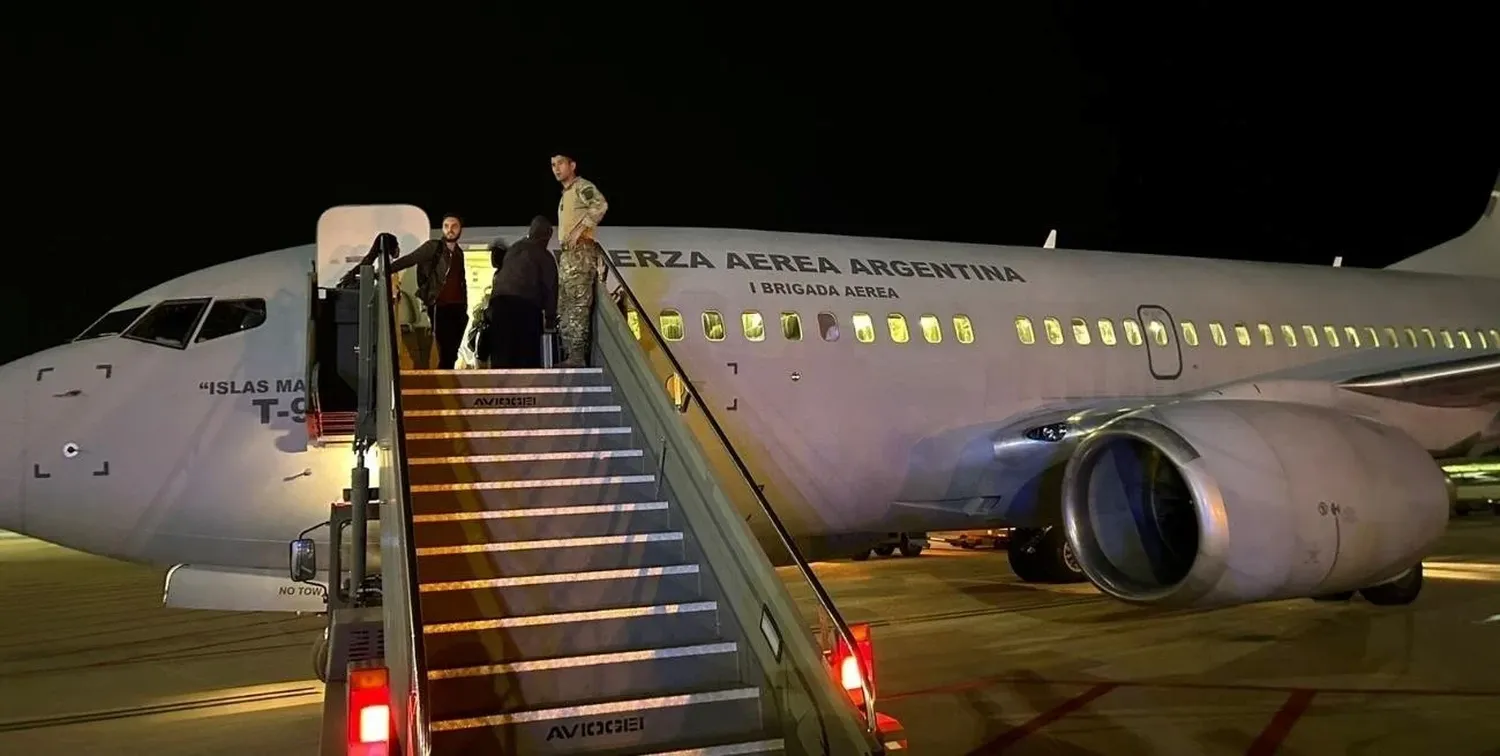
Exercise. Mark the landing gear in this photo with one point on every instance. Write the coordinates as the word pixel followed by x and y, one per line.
pixel 1399 592
pixel 320 657
pixel 909 544
pixel 1042 555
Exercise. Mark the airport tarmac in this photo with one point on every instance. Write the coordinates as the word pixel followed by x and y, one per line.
pixel 969 659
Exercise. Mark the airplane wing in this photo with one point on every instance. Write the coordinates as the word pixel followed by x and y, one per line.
pixel 1466 382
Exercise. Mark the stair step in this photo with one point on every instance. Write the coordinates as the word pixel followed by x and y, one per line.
pixel 499 418
pixel 471 397
pixel 411 379
pixel 770 745
pixel 494 559
pixel 542 636
pixel 457 601
pixel 657 721
pixel 468 468
pixel 462 692
pixel 445 498
pixel 518 440
pixel 536 523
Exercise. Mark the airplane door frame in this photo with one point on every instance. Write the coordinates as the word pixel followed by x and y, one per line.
pixel 1165 362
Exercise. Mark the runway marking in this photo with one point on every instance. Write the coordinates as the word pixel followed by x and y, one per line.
pixel 1281 723
pixel 985 682
pixel 1015 734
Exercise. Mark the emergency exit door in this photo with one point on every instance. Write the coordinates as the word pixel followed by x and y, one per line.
pixel 1163 350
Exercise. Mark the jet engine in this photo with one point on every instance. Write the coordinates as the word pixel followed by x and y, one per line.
pixel 1220 502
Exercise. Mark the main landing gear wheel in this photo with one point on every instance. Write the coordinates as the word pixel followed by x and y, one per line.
pixel 1042 555
pixel 909 549
pixel 320 657
pixel 862 556
pixel 1399 592
pixel 885 551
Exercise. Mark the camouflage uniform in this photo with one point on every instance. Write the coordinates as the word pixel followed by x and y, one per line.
pixel 578 213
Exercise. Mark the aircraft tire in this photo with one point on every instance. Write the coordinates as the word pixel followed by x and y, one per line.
pixel 320 657
pixel 885 551
pixel 1048 560
pixel 861 556
pixel 1340 596
pixel 1398 592
pixel 908 549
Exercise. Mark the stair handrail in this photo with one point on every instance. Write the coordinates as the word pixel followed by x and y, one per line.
pixel 840 627
pixel 414 707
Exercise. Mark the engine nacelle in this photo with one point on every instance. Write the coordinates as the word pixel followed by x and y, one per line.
pixel 1222 502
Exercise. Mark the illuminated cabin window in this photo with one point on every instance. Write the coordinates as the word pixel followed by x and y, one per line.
pixel 1391 340
pixel 1053 330
pixel 1189 333
pixel 1242 334
pixel 713 325
pixel 1463 338
pixel 1024 331
pixel 1351 335
pixel 753 325
pixel 1331 336
pixel 828 325
pixel 1216 330
pixel 1106 332
pixel 677 390
pixel 1132 332
pixel 1081 332
pixel 1411 338
pixel 1446 337
pixel 1289 335
pixel 1483 343
pixel 1309 335
pixel 1495 337
pixel 633 319
pixel 864 328
pixel 1267 337
pixel 1159 332
pixel 1431 339
pixel 671 325
pixel 963 329
pixel 791 326
pixel 932 328
pixel 896 323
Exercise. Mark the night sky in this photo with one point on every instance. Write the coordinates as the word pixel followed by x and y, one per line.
pixel 140 148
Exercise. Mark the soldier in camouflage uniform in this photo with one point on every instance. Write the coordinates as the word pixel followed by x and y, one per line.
pixel 579 212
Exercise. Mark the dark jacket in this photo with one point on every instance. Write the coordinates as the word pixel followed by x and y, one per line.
pixel 432 269
pixel 529 273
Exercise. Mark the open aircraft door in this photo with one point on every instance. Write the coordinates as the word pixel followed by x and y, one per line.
pixel 1163 349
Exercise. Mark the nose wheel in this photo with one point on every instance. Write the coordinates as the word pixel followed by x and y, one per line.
pixel 320 657
pixel 1043 555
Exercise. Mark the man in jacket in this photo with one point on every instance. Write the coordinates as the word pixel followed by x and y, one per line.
pixel 579 212
pixel 441 288
pixel 522 299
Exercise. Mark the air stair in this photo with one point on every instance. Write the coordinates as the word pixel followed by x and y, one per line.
pixel 566 569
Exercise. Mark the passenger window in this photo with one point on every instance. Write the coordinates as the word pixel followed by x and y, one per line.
pixel 1106 332
pixel 864 328
pixel 1266 335
pixel 753 325
pixel 791 326
pixel 932 329
pixel 1463 338
pixel 633 319
pixel 1289 335
pixel 169 323
pixel 671 325
pixel 1054 331
pixel 1495 337
pixel 828 325
pixel 1081 332
pixel 1351 334
pixel 1483 343
pixel 1447 338
pixel 1158 332
pixel 963 329
pixel 112 324
pixel 1390 337
pixel 896 323
pixel 1331 336
pixel 230 316
pixel 1217 331
pixel 1024 331
pixel 1132 332
pixel 713 325
pixel 1242 334
pixel 1189 333
pixel 1431 341
pixel 1309 335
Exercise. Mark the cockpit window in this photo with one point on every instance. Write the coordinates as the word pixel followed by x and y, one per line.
pixel 168 324
pixel 112 324
pixel 230 316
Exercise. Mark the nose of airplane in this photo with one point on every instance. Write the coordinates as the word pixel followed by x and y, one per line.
pixel 13 393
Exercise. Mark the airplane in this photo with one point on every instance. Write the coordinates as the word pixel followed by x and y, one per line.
pixel 1178 431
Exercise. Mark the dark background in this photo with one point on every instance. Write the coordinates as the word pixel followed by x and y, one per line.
pixel 140 147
